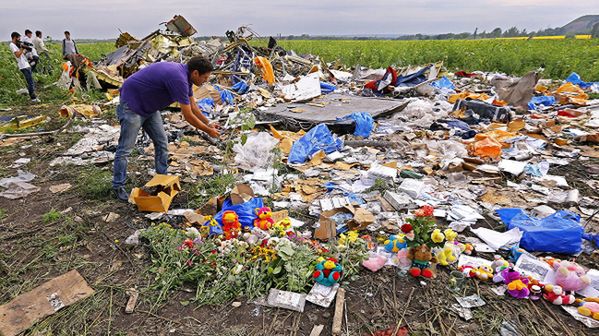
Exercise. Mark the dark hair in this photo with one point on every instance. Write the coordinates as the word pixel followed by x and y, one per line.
pixel 199 63
pixel 38 33
pixel 14 34
pixel 27 31
pixel 67 32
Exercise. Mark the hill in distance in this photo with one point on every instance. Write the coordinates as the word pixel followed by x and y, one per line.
pixel 582 25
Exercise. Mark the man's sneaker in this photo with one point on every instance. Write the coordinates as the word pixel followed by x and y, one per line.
pixel 36 100
pixel 121 194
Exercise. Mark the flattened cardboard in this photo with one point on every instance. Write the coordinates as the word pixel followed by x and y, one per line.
pixel 241 193
pixel 160 202
pixel 327 228
pixel 28 308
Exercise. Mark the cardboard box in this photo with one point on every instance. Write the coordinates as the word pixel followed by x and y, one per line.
pixel 328 228
pixel 167 187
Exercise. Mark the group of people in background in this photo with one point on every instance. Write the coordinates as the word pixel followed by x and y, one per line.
pixel 27 50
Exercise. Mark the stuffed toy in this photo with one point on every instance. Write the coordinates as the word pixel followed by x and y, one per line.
pixel 375 262
pixel 555 294
pixel 210 227
pixel 264 220
pixel 499 264
pixel 395 243
pixel 421 257
pixel 328 271
pixel 403 258
pixel 231 225
pixel 437 236
pixel 484 273
pixel 570 276
pixel 447 254
pixel 450 235
pixel 518 288
pixel 468 271
pixel 589 307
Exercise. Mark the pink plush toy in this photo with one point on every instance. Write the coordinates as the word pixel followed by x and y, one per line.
pixel 375 262
pixel 570 276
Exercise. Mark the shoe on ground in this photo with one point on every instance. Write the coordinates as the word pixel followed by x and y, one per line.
pixel 36 100
pixel 121 194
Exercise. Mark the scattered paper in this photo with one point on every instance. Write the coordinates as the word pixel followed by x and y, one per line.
pixel 531 266
pixel 287 300
pixel 60 188
pixel 497 240
pixel 322 295
pixel 471 301
pixel 587 321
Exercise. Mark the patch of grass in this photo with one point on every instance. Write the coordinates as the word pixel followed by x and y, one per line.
pixel 95 183
pixel 209 187
pixel 2 214
pixel 51 216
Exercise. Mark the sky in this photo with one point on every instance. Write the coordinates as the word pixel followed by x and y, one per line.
pixel 103 19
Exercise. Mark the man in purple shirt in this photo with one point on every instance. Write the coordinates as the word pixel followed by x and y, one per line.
pixel 143 95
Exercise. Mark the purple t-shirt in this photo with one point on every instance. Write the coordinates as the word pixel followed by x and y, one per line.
pixel 157 86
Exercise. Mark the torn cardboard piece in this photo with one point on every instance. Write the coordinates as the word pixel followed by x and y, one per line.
pixel 242 193
pixel 29 308
pixel 165 187
pixel 328 227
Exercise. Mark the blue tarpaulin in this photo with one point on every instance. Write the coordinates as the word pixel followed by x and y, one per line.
pixel 245 211
pixel 364 123
pixel 557 233
pixel 575 79
pixel 541 100
pixel 318 138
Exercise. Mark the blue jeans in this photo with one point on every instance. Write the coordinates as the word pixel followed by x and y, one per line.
pixel 131 122
pixel 29 78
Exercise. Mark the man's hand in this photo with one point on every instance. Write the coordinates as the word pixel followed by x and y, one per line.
pixel 213 132
pixel 214 125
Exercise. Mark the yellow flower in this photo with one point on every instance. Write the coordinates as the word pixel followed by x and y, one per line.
pixel 437 236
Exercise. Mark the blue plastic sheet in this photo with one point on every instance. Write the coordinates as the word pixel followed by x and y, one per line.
pixel 327 88
pixel 240 87
pixel 557 233
pixel 541 100
pixel 443 83
pixel 245 211
pixel 318 138
pixel 225 95
pixel 364 123
pixel 206 105
pixel 460 128
pixel 575 79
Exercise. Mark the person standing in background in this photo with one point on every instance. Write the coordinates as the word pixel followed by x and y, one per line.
pixel 18 50
pixel 69 47
pixel 38 43
pixel 32 55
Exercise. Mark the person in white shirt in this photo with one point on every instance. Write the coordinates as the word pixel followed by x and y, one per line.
pixel 19 50
pixel 32 55
pixel 38 43
pixel 69 47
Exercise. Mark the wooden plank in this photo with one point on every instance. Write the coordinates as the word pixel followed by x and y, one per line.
pixel 29 308
pixel 338 317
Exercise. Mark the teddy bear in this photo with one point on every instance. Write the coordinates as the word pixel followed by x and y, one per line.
pixel 264 220
pixel 499 264
pixel 589 307
pixel 570 276
pixel 231 225
pixel 328 271
pixel 421 257
pixel 484 273
pixel 395 243
pixel 556 295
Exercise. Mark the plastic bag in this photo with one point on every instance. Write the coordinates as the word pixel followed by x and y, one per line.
pixel 245 211
pixel 560 232
pixel 443 83
pixel 575 79
pixel 541 100
pixel 327 88
pixel 206 105
pixel 240 87
pixel 225 95
pixel 318 138
pixel 256 152
pixel 364 123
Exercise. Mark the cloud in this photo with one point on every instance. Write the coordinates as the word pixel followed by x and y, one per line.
pixel 102 19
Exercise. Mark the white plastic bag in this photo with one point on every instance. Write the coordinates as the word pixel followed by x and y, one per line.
pixel 256 152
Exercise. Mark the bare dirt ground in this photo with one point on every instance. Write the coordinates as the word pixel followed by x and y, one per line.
pixel 45 235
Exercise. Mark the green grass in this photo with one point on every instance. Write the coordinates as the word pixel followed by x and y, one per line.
pixel 516 57
pixel 2 214
pixel 95 183
pixel 51 216
pixel 209 187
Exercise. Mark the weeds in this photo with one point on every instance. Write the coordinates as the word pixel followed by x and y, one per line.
pixel 51 216
pixel 95 183
pixel 210 187
pixel 2 214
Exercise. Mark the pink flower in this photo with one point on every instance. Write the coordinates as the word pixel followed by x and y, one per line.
pixel 189 262
pixel 406 228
